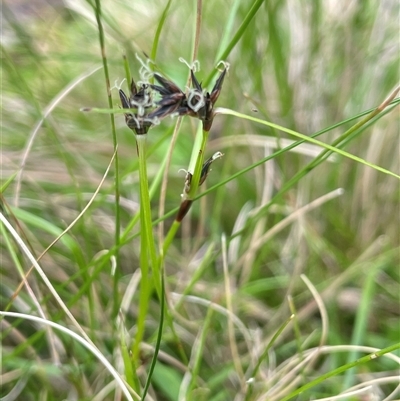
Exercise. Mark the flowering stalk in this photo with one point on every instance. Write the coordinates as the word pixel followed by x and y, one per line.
pixel 192 181
pixel 116 300
pixel 139 120
pixel 197 104
pixel 140 115
pixel 147 247
pixel 201 171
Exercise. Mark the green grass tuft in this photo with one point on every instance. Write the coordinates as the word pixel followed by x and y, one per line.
pixel 280 283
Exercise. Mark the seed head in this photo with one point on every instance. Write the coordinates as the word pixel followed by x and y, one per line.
pixel 139 102
pixel 196 103
pixel 172 98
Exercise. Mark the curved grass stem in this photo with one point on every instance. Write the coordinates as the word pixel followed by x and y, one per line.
pixel 342 369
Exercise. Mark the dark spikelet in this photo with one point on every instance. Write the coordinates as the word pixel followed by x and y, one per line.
pixel 161 90
pixel 206 112
pixel 172 98
pixel 169 86
pixel 162 112
pixel 217 87
pixel 206 166
pixel 183 210
pixel 175 98
pixel 124 99
pixel 133 88
pixel 173 101
pixel 138 103
pixel 195 82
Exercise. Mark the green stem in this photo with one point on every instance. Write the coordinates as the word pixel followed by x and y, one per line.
pixel 342 369
pixel 160 25
pixel 158 342
pixel 146 221
pixel 328 148
pixel 169 237
pixel 265 355
pixel 116 162
pixel 198 352
pixel 176 224
pixel 362 318
pixel 144 300
pixel 127 70
pixel 130 373
pixel 199 164
pixel 147 247
pixel 250 15
pixel 198 156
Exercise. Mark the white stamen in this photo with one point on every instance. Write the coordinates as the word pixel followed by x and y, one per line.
pixel 153 121
pixel 116 85
pixel 145 74
pixel 195 95
pixel 141 105
pixel 145 71
pixel 195 66
pixel 136 121
pixel 144 64
pixel 225 64
pixel 216 156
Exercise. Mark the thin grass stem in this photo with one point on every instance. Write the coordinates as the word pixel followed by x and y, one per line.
pixel 82 341
pixel 158 341
pixel 116 298
pixel 341 369
pixel 238 35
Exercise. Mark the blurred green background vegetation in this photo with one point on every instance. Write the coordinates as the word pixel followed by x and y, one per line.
pixel 303 65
